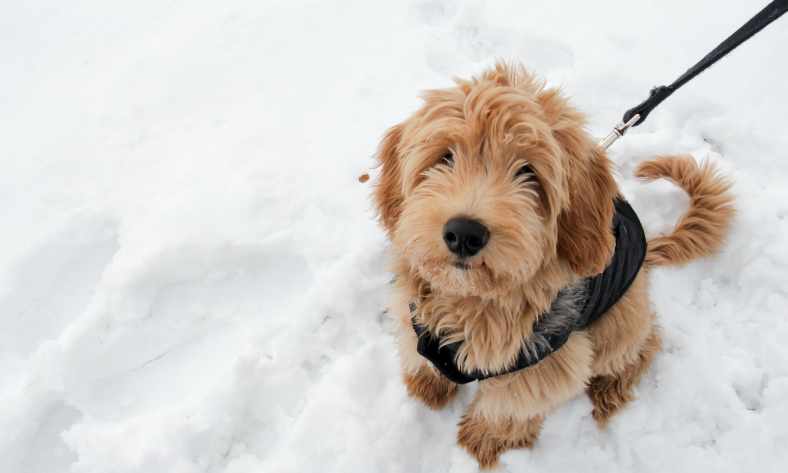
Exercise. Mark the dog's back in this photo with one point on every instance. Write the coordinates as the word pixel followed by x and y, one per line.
pixel 627 337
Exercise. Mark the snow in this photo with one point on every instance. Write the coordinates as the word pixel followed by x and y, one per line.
pixel 192 279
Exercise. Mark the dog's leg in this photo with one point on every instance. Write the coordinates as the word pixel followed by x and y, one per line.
pixel 421 380
pixel 486 439
pixel 432 388
pixel 508 411
pixel 610 392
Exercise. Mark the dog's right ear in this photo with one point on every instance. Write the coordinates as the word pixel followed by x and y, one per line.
pixel 388 191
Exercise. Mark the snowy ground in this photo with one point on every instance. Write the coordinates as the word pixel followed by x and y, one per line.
pixel 191 279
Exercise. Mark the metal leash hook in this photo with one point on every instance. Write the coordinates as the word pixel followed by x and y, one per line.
pixel 618 132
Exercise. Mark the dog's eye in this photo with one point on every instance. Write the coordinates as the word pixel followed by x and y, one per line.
pixel 447 159
pixel 524 171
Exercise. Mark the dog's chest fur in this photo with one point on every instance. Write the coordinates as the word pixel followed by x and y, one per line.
pixel 494 331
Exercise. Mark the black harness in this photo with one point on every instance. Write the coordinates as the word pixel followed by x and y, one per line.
pixel 599 294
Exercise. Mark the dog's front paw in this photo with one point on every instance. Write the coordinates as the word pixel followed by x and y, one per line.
pixel 607 395
pixel 475 437
pixel 431 388
pixel 487 441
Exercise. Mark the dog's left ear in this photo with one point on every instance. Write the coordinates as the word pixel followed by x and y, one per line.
pixel 585 233
pixel 388 191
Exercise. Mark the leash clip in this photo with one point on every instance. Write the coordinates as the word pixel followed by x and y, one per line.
pixel 618 132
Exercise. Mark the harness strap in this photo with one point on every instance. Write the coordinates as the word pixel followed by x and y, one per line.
pixel 444 357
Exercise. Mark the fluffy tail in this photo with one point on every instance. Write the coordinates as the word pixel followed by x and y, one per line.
pixel 702 229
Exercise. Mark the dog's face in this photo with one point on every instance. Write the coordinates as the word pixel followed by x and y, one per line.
pixel 491 181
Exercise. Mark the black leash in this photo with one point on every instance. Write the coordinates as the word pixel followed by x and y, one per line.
pixel 637 115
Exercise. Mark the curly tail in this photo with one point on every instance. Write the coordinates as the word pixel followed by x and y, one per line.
pixel 702 229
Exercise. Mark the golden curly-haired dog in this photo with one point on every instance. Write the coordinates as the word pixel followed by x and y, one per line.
pixel 507 154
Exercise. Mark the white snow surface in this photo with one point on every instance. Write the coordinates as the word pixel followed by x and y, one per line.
pixel 192 279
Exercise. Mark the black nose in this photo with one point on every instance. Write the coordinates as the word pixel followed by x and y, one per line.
pixel 465 237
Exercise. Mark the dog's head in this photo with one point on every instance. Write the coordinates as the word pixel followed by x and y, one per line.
pixel 493 180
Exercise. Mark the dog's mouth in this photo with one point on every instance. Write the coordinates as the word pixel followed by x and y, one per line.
pixel 463 277
pixel 466 266
pixel 461 265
